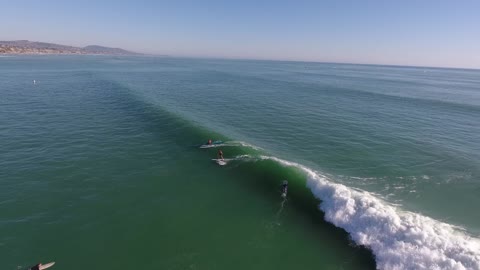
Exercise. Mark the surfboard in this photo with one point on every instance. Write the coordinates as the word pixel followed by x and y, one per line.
pixel 220 162
pixel 210 145
pixel 47 265
pixel 214 144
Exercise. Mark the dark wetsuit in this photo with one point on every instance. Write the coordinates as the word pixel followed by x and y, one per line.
pixel 36 267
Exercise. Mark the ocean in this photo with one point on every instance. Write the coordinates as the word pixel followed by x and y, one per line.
pixel 101 165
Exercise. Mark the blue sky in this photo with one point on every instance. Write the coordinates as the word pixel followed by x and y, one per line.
pixel 421 32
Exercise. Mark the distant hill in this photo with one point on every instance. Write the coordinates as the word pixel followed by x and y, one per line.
pixel 105 50
pixel 32 47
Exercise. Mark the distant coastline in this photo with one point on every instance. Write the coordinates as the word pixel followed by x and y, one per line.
pixel 26 47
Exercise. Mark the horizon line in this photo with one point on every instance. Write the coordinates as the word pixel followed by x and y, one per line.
pixel 250 59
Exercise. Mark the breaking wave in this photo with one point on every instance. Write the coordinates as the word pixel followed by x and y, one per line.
pixel 398 239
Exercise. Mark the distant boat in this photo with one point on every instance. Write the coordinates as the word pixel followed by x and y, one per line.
pixel 34 82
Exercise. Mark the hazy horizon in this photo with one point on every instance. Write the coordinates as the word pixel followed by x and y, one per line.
pixel 427 33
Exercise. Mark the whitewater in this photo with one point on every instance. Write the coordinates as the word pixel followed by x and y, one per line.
pixel 398 239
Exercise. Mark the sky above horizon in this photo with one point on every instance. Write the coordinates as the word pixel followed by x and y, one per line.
pixel 420 33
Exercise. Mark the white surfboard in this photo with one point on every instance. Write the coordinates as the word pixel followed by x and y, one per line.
pixel 220 162
pixel 210 145
pixel 47 265
pixel 214 144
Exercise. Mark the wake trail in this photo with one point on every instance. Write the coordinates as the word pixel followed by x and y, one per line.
pixel 282 206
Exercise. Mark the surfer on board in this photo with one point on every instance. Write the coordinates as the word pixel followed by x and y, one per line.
pixel 40 266
pixel 36 267
pixel 284 188
pixel 220 154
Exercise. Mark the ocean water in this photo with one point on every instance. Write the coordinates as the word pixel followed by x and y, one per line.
pixel 101 165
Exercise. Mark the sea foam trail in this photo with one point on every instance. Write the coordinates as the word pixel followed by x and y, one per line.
pixel 229 144
pixel 398 239
pixel 244 144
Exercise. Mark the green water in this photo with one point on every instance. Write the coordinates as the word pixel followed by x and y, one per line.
pixel 100 166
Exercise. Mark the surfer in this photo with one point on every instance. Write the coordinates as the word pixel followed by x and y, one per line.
pixel 284 188
pixel 40 266
pixel 36 267
pixel 220 154
pixel 209 141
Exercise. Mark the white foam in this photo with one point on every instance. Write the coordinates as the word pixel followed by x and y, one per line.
pixel 244 158
pixel 206 146
pixel 244 144
pixel 398 239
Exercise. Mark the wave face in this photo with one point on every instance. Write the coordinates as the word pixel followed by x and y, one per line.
pixel 359 122
pixel 398 239
pixel 139 113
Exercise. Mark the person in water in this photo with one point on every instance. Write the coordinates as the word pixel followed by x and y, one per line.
pixel 284 188
pixel 209 141
pixel 36 267
pixel 220 154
